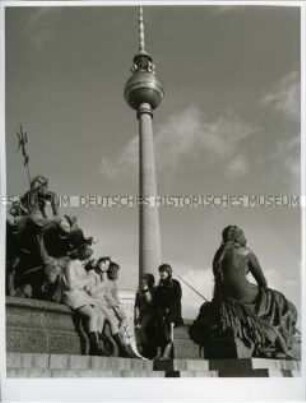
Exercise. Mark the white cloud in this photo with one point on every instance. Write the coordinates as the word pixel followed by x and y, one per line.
pixel 188 135
pixel 292 160
pixel 238 166
pixel 41 25
pixel 125 161
pixel 285 96
pixel 286 156
pixel 221 10
pixel 293 166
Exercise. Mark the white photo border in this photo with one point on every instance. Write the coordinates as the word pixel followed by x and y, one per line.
pixel 148 390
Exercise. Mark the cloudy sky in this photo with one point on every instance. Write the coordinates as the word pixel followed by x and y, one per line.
pixel 229 124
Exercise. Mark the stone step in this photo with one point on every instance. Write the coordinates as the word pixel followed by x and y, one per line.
pixel 253 364
pixel 70 373
pixel 190 365
pixel 250 364
pixel 75 362
pixel 184 348
pixel 276 367
pixel 198 374
pixel 51 364
pixel 263 373
pixel 181 332
pixel 272 364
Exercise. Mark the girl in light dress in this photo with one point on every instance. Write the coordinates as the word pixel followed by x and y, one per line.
pixel 105 294
pixel 76 282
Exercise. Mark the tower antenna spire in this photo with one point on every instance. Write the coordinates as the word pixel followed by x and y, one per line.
pixel 141 30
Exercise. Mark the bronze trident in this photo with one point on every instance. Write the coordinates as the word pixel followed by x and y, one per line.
pixel 22 138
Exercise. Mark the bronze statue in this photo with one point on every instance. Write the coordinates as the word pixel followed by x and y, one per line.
pixel 260 317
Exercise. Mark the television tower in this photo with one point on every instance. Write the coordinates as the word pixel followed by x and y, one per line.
pixel 144 92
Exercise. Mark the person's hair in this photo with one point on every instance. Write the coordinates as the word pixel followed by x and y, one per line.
pixel 73 254
pixel 113 266
pixel 149 277
pixel 240 237
pixel 228 233
pixel 84 252
pixel 38 181
pixel 77 252
pixel 103 259
pixel 165 267
pixel 235 234
pixel 90 265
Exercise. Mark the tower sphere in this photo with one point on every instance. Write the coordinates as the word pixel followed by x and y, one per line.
pixel 143 86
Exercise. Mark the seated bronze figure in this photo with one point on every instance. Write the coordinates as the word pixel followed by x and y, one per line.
pixel 258 316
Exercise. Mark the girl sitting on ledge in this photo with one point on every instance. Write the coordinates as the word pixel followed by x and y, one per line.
pixel 76 281
pixel 105 294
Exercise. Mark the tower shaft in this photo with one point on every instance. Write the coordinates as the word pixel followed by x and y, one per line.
pixel 149 225
pixel 144 92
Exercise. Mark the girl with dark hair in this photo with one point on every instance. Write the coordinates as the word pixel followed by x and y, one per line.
pixel 105 294
pixel 167 303
pixel 144 316
pixel 123 338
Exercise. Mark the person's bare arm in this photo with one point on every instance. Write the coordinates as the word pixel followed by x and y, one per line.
pixel 67 274
pixel 117 304
pixel 148 297
pixel 43 251
pixel 216 263
pixel 94 287
pixel 256 270
pixel 54 202
pixel 137 310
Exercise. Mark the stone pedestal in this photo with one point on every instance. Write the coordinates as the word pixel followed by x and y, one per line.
pixel 35 326
pixel 226 347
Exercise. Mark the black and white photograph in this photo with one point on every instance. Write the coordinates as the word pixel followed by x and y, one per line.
pixel 153 191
